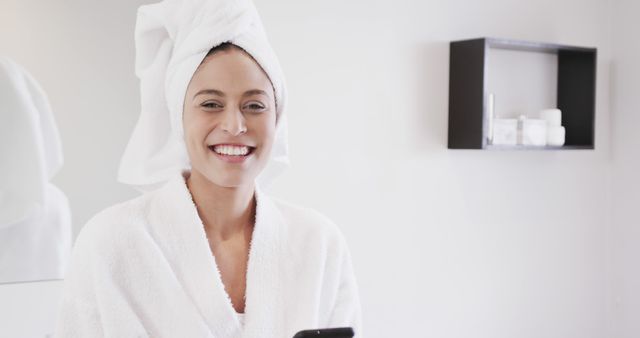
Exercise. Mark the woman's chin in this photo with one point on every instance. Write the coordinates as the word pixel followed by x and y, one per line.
pixel 229 181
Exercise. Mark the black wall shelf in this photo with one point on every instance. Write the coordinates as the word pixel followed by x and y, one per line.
pixel 576 92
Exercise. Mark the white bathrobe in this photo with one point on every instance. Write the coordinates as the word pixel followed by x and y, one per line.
pixel 144 268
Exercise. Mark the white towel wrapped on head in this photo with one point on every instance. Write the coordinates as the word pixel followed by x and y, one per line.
pixel 172 39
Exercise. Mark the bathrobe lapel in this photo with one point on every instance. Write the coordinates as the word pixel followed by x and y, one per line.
pixel 265 297
pixel 175 218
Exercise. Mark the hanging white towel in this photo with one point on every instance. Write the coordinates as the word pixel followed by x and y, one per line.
pixel 144 268
pixel 35 221
pixel 30 148
pixel 39 246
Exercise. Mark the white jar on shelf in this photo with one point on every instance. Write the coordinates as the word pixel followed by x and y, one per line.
pixel 505 132
pixel 555 136
pixel 555 131
pixel 534 132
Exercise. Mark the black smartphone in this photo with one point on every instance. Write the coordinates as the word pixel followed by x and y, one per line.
pixel 338 332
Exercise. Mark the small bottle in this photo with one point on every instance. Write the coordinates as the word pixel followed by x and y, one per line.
pixel 521 120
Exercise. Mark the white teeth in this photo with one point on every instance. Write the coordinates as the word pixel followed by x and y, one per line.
pixel 231 150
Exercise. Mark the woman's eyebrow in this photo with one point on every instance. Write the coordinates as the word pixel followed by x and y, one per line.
pixel 210 91
pixel 222 94
pixel 255 92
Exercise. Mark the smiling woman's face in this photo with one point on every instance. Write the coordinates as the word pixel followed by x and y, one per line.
pixel 229 109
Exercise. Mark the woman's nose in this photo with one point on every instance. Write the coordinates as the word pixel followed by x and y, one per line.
pixel 233 122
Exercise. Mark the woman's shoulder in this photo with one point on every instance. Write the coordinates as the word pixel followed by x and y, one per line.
pixel 309 221
pixel 114 221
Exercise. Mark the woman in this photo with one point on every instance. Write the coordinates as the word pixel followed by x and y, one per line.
pixel 205 252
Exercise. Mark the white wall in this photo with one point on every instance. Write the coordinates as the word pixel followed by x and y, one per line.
pixel 625 237
pixel 445 243
pixel 28 310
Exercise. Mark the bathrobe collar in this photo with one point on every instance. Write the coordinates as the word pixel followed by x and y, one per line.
pixel 181 230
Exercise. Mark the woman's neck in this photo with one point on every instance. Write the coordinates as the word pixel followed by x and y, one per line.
pixel 225 212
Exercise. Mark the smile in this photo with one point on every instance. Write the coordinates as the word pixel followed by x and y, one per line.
pixel 232 153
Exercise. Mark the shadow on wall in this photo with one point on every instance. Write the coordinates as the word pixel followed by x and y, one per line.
pixel 428 128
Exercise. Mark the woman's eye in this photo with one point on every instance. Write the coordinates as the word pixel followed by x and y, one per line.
pixel 255 106
pixel 211 105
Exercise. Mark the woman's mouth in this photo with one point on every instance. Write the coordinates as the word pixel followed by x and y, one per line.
pixel 232 153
